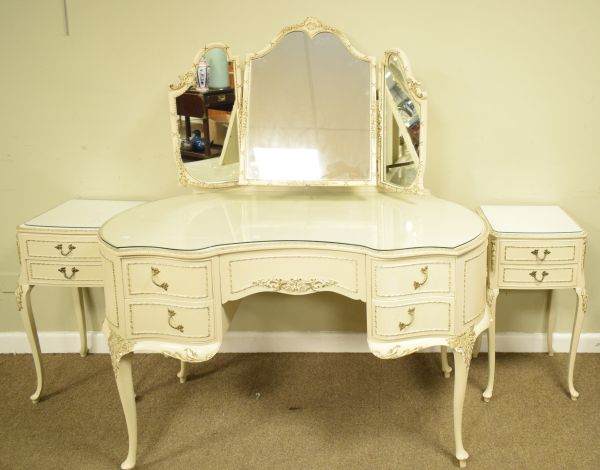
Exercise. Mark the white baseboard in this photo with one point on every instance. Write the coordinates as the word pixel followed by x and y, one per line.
pixel 291 341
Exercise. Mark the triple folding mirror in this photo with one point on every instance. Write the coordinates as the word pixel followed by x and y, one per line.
pixel 310 113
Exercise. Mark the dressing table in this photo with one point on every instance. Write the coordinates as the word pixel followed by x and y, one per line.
pixel 320 189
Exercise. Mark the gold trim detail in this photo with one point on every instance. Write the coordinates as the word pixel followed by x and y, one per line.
pixel 415 88
pixel 396 352
pixel 411 313
pixel 172 313
pixel 584 301
pixel 425 273
pixel 189 355
pixel 493 255
pixel 118 347
pixel 294 284
pixel 186 80
pixel 19 297
pixel 463 344
pixel 156 272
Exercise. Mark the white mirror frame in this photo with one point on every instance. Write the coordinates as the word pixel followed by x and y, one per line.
pixel 179 88
pixel 420 97
pixel 311 27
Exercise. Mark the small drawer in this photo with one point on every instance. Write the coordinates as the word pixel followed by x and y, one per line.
pixel 538 277
pixel 393 279
pixel 64 248
pixel 42 272
pixel 217 99
pixel 539 251
pixel 164 319
pixel 392 320
pixel 293 272
pixel 190 280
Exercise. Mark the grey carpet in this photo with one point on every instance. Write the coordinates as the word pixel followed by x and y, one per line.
pixel 300 411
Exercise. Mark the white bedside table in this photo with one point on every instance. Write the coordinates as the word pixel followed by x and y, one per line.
pixel 60 248
pixel 535 247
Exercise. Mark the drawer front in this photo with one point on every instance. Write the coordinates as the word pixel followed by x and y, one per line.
pixel 538 277
pixel 393 320
pixel 84 248
pixel 539 251
pixel 293 272
pixel 219 99
pixel 393 279
pixel 42 272
pixel 177 321
pixel 177 279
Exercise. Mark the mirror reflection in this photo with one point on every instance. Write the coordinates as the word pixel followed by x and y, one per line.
pixel 309 112
pixel 402 121
pixel 206 117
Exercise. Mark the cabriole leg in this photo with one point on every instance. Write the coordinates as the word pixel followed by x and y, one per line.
pixel 493 297
pixel 551 322
pixel 23 294
pixel 80 313
pixel 581 308
pixel 446 369
pixel 183 373
pixel 461 371
pixel 125 385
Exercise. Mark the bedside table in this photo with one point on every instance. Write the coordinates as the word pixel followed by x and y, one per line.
pixel 60 248
pixel 538 248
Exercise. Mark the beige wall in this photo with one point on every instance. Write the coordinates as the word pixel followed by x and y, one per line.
pixel 513 106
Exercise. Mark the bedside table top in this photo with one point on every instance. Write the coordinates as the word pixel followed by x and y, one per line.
pixel 81 214
pixel 529 219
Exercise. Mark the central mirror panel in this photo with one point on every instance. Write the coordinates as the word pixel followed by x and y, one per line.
pixel 309 113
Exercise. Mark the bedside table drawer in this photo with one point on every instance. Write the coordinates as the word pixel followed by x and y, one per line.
pixel 178 279
pixel 176 321
pixel 42 272
pixel 63 248
pixel 539 251
pixel 538 277
pixel 392 320
pixel 393 279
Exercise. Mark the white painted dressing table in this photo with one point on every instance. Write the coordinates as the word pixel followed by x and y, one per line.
pixel 535 248
pixel 60 248
pixel 329 197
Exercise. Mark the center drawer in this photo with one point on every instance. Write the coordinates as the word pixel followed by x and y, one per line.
pixel 164 319
pixel 293 272
pixel 393 279
pixel 151 276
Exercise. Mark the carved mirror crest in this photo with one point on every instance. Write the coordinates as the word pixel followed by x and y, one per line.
pixel 309 113
pixel 204 109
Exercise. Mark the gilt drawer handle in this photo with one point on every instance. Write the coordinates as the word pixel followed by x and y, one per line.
pixel 64 271
pixel 221 98
pixel 59 247
pixel 172 313
pixel 536 253
pixel 533 274
pixel 425 273
pixel 156 272
pixel 411 313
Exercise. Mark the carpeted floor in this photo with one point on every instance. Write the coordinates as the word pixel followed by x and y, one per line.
pixel 300 411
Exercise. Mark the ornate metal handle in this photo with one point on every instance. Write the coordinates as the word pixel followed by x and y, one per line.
pixel 59 247
pixel 425 273
pixel 533 274
pixel 156 272
pixel 221 98
pixel 64 271
pixel 536 254
pixel 172 313
pixel 411 313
